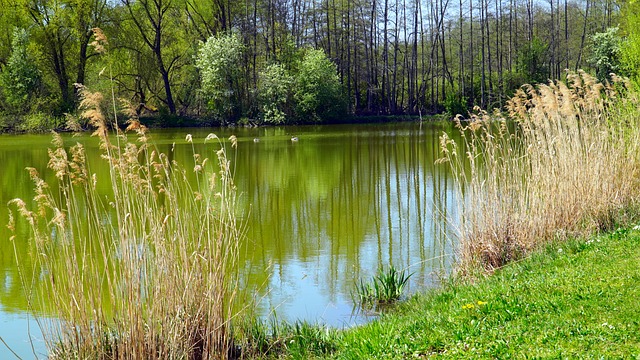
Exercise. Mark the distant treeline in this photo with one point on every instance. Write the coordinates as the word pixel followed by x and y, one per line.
pixel 290 60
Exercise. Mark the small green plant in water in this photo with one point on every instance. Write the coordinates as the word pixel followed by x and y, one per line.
pixel 272 339
pixel 385 288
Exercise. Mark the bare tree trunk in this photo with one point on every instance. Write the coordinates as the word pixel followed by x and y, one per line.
pixel 472 55
pixel 461 84
pixel 566 33
pixel 489 89
pixel 396 46
pixel 584 34
pixel 483 86
pixel 385 60
pixel 553 41
pixel 154 15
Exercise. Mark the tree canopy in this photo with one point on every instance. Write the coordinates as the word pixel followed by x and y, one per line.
pixel 279 61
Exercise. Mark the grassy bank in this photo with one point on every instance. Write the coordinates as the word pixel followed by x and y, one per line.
pixel 577 299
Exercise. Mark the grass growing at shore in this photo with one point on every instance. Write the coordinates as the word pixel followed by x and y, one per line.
pixel 569 167
pixel 576 299
pixel 571 299
pixel 145 270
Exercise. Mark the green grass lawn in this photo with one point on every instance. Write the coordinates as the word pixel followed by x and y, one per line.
pixel 579 299
pixel 575 300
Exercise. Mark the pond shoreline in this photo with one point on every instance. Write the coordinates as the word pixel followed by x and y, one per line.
pixel 567 299
pixel 178 122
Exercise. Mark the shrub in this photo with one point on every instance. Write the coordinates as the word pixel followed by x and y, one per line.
pixel 274 91
pixel 606 53
pixel 21 79
pixel 317 91
pixel 455 105
pixel 219 61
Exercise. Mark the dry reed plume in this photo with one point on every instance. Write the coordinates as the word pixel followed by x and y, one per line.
pixel 146 270
pixel 567 166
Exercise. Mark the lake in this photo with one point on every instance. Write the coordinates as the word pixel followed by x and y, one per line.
pixel 322 213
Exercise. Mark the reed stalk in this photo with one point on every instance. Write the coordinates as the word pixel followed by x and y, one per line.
pixel 564 164
pixel 146 269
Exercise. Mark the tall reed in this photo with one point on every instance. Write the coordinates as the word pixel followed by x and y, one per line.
pixel 567 165
pixel 147 270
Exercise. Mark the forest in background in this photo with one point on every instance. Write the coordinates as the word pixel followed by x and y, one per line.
pixel 283 61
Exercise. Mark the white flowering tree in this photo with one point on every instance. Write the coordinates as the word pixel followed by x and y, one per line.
pixel 218 61
pixel 274 91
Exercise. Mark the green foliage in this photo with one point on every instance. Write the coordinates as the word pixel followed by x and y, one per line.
pixel 630 47
pixel 532 62
pixel 317 92
pixel 154 46
pixel 218 61
pixel 386 287
pixel 455 105
pixel 311 91
pixel 606 53
pixel 20 79
pixel 40 122
pixel 300 339
pixel 274 91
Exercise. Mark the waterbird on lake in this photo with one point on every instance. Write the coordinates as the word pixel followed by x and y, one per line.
pixel 294 138
pixel 256 140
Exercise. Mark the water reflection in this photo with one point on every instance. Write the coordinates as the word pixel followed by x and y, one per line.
pixel 338 205
pixel 322 211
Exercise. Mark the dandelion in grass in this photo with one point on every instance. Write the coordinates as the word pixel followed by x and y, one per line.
pixel 468 306
pixel 480 303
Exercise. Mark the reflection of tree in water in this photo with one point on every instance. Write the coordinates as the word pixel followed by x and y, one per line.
pixel 15 153
pixel 347 204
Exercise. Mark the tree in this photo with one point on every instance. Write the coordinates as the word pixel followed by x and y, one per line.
pixel 532 62
pixel 219 61
pixel 20 79
pixel 155 22
pixel 317 92
pixel 630 47
pixel 274 92
pixel 606 52
pixel 52 32
pixel 85 16
pixel 391 56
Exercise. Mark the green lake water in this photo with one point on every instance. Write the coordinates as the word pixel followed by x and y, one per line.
pixel 322 213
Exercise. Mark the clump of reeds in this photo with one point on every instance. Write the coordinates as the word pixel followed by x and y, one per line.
pixel 274 339
pixel 146 268
pixel 385 288
pixel 567 165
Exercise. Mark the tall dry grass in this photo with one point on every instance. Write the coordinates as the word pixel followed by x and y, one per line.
pixel 147 270
pixel 565 164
